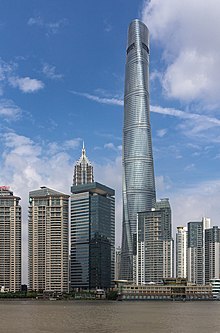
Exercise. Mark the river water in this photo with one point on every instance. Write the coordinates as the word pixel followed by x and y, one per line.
pixel 109 317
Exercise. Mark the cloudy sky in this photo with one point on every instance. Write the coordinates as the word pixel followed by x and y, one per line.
pixel 61 82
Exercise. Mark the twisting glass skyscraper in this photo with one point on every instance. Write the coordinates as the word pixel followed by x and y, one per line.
pixel 138 171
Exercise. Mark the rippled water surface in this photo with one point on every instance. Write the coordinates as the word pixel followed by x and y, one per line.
pixel 109 317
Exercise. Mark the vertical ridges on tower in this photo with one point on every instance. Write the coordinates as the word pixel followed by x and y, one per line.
pixel 137 160
pixel 83 170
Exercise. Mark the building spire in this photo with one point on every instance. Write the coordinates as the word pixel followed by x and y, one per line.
pixel 83 150
pixel 83 170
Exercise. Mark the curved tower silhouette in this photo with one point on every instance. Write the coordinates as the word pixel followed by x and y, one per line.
pixel 137 160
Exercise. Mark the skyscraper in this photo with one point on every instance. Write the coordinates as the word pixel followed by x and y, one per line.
pixel 83 170
pixel 196 250
pixel 181 252
pixel 212 253
pixel 138 172
pixel 92 230
pixel 10 240
pixel 154 260
pixel 117 263
pixel 48 250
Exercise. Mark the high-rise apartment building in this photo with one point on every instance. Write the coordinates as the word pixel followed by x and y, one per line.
pixel 92 236
pixel 48 250
pixel 195 269
pixel 212 254
pixel 168 244
pixel 138 171
pixel 10 240
pixel 181 252
pixel 117 263
pixel 154 259
pixel 196 250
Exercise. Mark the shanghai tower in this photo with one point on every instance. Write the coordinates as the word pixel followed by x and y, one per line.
pixel 138 188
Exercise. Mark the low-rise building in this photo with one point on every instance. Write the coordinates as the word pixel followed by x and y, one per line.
pixel 215 283
pixel 170 289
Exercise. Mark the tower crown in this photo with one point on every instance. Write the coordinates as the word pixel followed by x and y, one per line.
pixel 83 170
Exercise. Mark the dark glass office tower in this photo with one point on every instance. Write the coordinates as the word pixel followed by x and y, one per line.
pixel 92 229
pixel 92 236
pixel 138 171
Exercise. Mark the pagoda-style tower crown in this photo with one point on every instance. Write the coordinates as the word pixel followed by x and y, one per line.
pixel 83 170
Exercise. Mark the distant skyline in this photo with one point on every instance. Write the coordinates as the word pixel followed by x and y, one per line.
pixel 62 82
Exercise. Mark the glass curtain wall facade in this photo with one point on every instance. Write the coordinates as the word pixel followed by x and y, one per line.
pixel 92 236
pixel 138 172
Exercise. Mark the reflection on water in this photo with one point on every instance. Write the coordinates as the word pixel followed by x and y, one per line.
pixel 109 317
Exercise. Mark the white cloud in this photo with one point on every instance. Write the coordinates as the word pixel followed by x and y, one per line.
pixel 102 100
pixel 193 125
pixel 111 146
pixel 191 203
pixel 9 111
pixel 155 75
pixel 8 76
pixel 162 183
pixel 154 108
pixel 50 72
pixel 72 144
pixel 55 147
pixel 188 31
pixel 107 26
pixel 161 132
pixel 188 78
pixel 190 167
pixel 26 84
pixel 50 27
pixel 35 21
pixel 5 69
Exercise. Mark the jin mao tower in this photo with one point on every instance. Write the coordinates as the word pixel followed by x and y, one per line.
pixel 92 230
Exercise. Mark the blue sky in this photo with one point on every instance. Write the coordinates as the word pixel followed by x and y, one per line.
pixel 62 80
